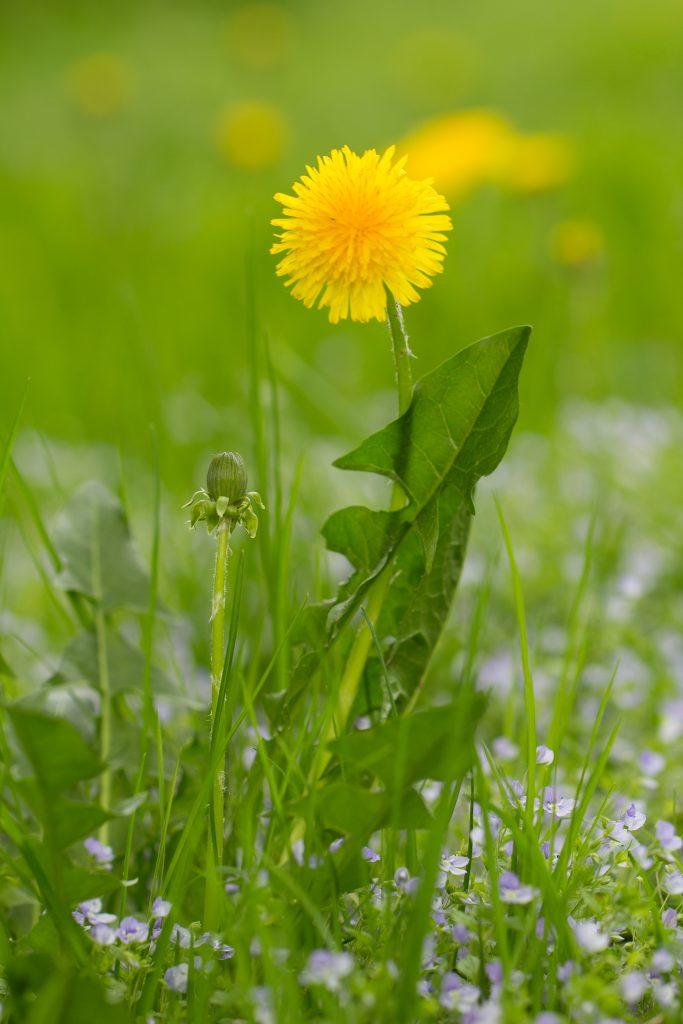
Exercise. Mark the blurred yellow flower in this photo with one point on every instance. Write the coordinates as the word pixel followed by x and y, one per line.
pixel 538 162
pixel 576 242
pixel 251 135
pixel 355 227
pixel 100 85
pixel 475 147
pixel 259 35
pixel 461 150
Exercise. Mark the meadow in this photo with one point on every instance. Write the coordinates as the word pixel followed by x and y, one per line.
pixel 341 656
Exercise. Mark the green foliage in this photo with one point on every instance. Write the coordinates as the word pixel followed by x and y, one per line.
pixel 59 755
pixel 98 558
pixel 125 664
pixel 455 431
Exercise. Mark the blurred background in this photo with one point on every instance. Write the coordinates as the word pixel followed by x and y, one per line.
pixel 141 144
pixel 142 141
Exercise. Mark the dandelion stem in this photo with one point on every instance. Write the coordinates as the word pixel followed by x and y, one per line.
pixel 402 354
pixel 360 649
pixel 214 844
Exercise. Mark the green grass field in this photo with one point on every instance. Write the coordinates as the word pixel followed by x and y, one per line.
pixel 297 796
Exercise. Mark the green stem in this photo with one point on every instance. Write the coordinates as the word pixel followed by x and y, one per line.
pixel 214 843
pixel 358 655
pixel 102 671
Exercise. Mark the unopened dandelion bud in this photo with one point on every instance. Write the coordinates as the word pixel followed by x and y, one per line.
pixel 227 477
pixel 225 503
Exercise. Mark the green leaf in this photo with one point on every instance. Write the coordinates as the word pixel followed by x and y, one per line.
pixel 358 811
pixel 58 753
pixel 97 554
pixel 455 431
pixel 66 820
pixel 423 745
pixel 126 664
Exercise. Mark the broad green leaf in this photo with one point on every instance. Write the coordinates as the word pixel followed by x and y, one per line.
pixel 56 750
pixel 66 820
pixel 455 431
pixel 405 749
pixel 359 811
pixel 97 554
pixel 126 664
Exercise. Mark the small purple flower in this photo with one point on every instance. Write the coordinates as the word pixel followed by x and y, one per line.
pixel 327 968
pixel 673 883
pixel 132 930
pixel 161 908
pixel 405 882
pixel 454 865
pixel 651 763
pixel 505 749
pixel 370 855
pixel 633 986
pixel 176 978
pixel 666 834
pixel 669 918
pixel 589 936
pixel 662 961
pixel 641 855
pixel 539 930
pixel 633 819
pixel 494 972
pixel 102 853
pixel 103 935
pixel 181 936
pixel 461 934
pixel 231 888
pixel 544 755
pixel 336 844
pixel 547 1017
pixel 512 890
pixel 90 908
pixel 565 970
pixel 457 994
pixel 225 952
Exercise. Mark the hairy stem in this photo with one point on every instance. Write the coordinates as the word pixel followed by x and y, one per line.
pixel 358 655
pixel 214 844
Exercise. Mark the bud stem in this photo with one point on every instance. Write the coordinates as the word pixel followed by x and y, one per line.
pixel 212 894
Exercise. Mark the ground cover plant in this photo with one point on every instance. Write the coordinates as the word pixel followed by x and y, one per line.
pixel 340 652
pixel 325 832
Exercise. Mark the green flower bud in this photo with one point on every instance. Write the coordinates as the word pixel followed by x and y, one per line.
pixel 227 477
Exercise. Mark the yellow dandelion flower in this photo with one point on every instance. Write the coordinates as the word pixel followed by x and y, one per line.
pixel 461 151
pixel 260 35
pixel 577 242
pixel 539 162
pixel 355 227
pixel 100 84
pixel 251 135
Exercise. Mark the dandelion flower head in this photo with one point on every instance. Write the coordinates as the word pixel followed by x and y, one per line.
pixel 355 227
